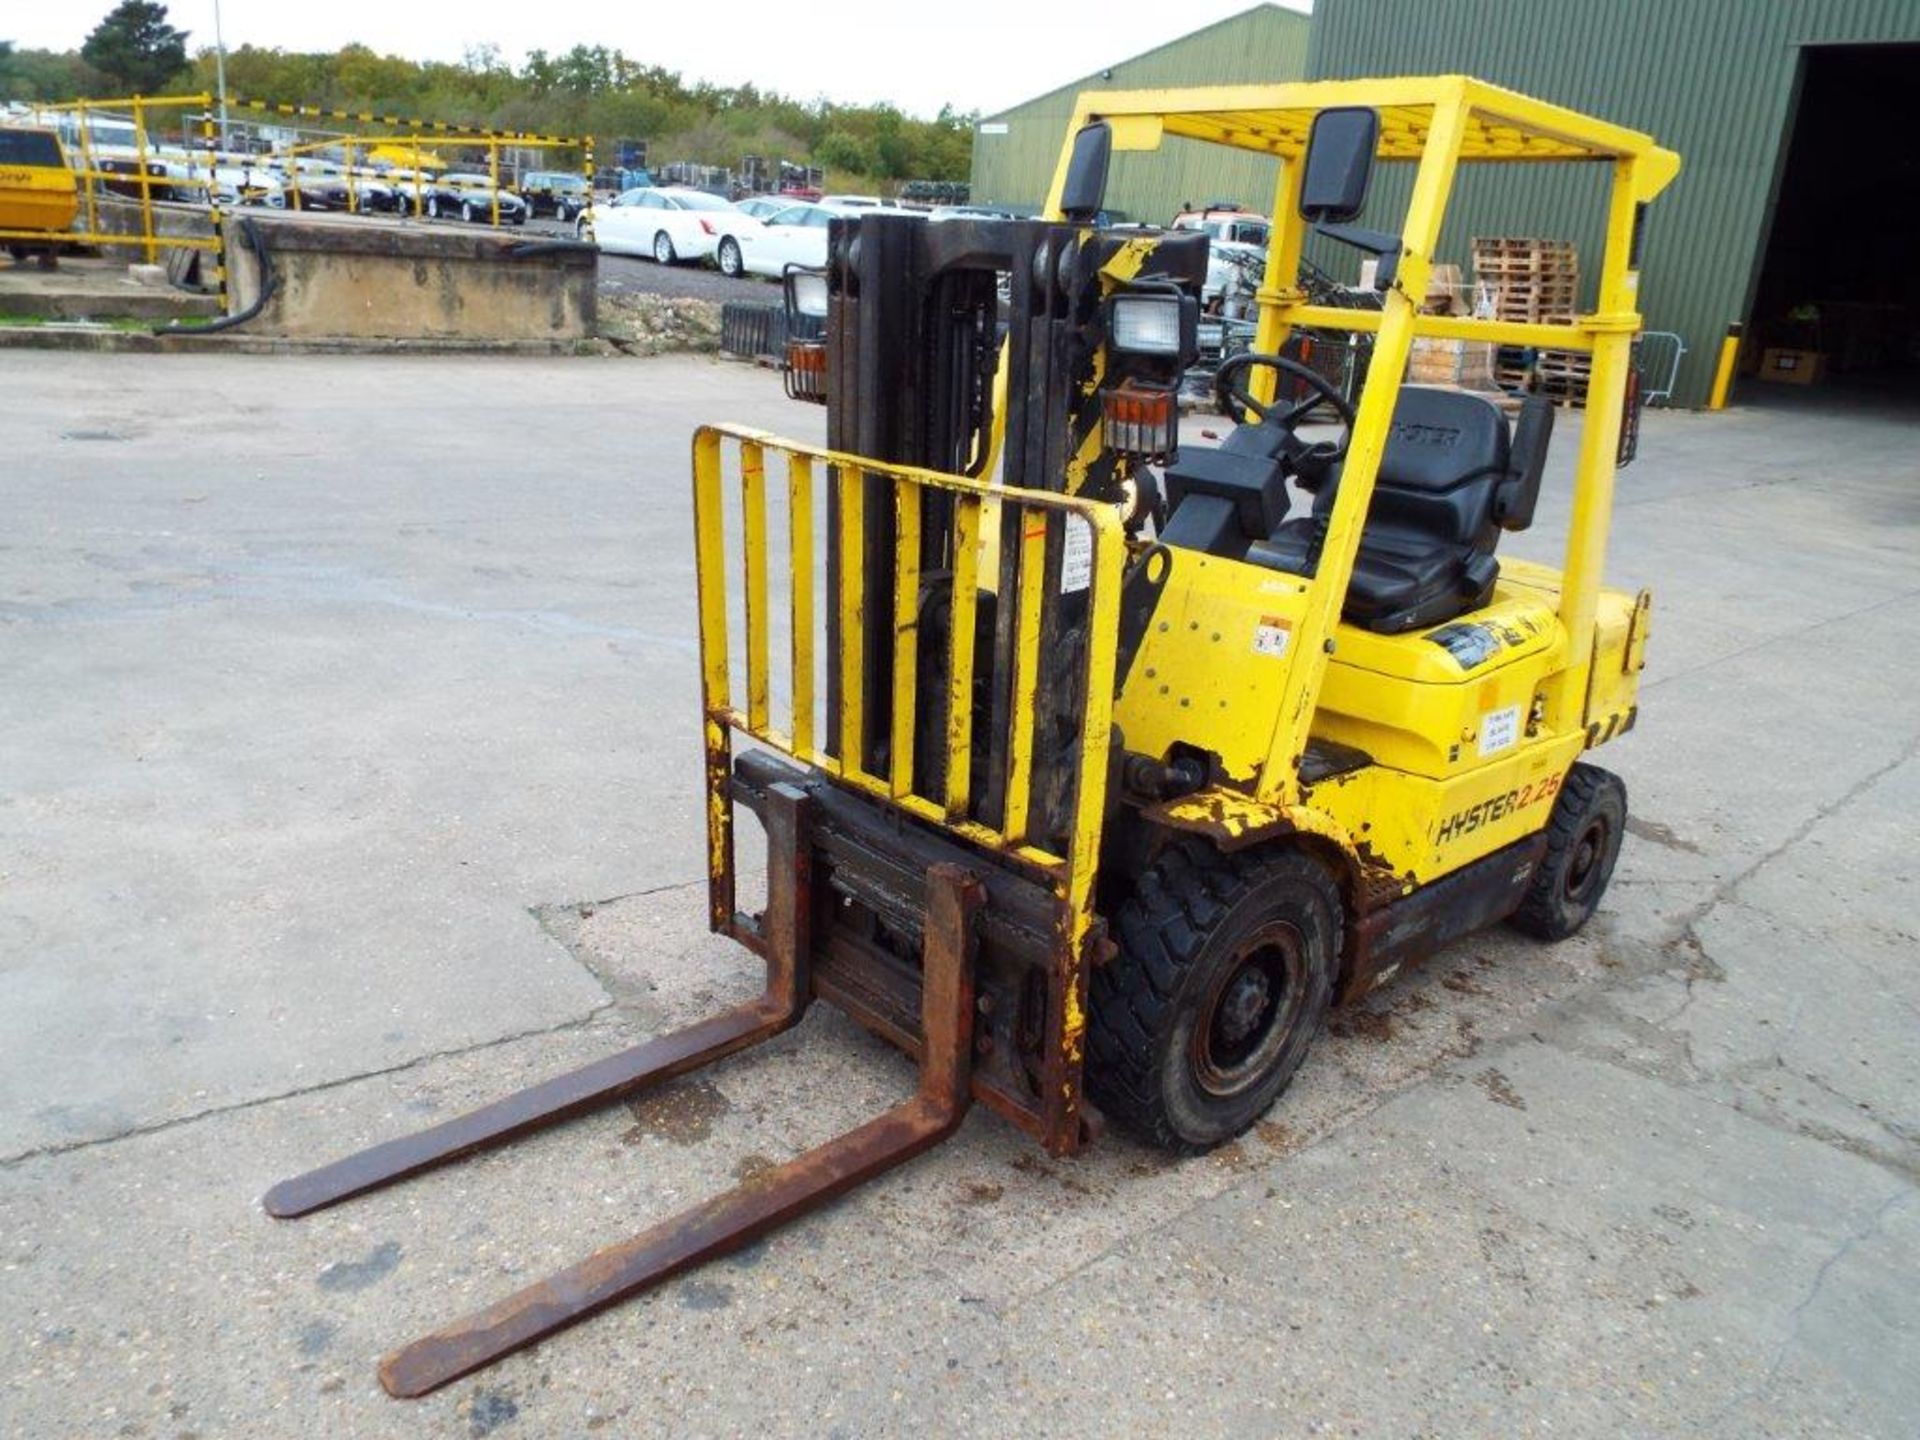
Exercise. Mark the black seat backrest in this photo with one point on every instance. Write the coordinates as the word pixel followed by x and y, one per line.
pixel 1447 453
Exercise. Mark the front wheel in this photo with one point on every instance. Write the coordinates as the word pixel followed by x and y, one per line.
pixel 1583 842
pixel 663 248
pixel 1225 969
pixel 466 212
pixel 433 207
pixel 731 264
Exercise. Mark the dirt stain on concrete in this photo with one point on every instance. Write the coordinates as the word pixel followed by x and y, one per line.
pixel 683 1113
pixel 359 1274
pixel 1499 1089
pixel 1659 834
pixel 1359 1024
pixel 485 1411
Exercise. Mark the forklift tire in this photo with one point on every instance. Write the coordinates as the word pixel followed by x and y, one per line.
pixel 1224 971
pixel 1583 841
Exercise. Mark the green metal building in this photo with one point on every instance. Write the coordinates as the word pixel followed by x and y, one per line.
pixel 1786 204
pixel 1790 215
pixel 1014 152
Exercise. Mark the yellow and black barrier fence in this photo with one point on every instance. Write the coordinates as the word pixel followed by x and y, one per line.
pixel 114 147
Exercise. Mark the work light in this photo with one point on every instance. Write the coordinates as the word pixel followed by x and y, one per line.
pixel 1153 322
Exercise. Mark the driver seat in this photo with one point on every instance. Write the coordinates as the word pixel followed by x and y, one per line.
pixel 1451 479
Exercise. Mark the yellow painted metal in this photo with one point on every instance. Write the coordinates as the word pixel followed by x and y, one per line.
pixel 963 617
pixel 850 491
pixel 1070 871
pixel 753 526
pixel 1723 370
pixel 1278 781
pixel 1029 588
pixel 800 569
pixel 1550 664
pixel 906 633
pixel 710 563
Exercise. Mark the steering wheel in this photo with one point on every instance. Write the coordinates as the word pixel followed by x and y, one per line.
pixel 1236 403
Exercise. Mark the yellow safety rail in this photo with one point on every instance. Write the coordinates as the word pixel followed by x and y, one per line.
pixel 730 458
pixel 92 174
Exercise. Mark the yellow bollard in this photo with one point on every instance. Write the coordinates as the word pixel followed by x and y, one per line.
pixel 1723 373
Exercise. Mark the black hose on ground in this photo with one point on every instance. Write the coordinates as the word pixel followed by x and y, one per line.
pixel 269 282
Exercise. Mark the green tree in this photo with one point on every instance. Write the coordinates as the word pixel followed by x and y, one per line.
pixel 135 49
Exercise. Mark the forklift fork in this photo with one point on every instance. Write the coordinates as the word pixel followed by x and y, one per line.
pixel 728 1220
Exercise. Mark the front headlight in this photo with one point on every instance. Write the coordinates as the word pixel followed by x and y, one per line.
pixel 807 291
pixel 1154 323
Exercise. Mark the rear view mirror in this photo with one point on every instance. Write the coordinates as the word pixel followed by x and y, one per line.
pixel 1339 164
pixel 1085 191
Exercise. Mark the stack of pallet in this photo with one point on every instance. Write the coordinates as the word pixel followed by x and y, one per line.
pixel 1533 282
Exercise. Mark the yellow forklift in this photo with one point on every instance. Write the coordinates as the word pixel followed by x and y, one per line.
pixel 1094 768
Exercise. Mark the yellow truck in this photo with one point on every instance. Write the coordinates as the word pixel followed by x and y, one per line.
pixel 38 197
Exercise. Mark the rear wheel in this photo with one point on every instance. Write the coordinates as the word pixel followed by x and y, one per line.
pixel 663 248
pixel 730 262
pixel 1583 842
pixel 1224 973
pixel 466 211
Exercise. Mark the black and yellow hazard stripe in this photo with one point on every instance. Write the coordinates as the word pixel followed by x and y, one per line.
pixel 406 122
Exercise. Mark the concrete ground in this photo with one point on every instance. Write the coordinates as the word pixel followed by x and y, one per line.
pixel 349 775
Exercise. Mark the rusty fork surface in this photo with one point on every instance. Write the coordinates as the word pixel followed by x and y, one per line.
pixel 735 1217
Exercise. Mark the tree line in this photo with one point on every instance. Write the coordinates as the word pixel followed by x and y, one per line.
pixel 587 90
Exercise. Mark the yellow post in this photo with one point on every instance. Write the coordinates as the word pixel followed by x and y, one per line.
pixel 1613 327
pixel 586 215
pixel 1279 286
pixel 146 182
pixel 493 179
pixel 1723 372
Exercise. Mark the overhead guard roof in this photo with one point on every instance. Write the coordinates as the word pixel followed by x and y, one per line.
pixel 1501 125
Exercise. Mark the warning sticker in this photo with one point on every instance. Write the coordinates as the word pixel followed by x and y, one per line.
pixel 1076 555
pixel 1271 636
pixel 1499 729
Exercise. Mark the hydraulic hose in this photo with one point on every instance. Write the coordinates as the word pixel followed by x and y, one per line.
pixel 269 282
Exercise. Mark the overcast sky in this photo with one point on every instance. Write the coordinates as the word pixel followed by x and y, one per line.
pixel 985 55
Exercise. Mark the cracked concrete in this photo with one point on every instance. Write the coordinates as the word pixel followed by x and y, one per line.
pixel 317 719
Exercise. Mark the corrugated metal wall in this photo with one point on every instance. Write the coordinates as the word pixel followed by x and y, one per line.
pixel 1713 79
pixel 1266 43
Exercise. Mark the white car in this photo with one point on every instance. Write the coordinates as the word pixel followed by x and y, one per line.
pixel 670 225
pixel 798 236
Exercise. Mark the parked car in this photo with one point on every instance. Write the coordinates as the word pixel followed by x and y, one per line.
pixel 970 212
pixel 558 193
pixel 854 202
pixel 670 224
pixel 245 184
pixel 333 187
pixel 761 206
pixel 473 198
pixel 798 236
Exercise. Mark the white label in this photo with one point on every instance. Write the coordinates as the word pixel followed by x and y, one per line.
pixel 993 127
pixel 1271 635
pixel 1499 729
pixel 1076 555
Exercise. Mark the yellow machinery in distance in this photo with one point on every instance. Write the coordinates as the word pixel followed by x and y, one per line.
pixel 1092 774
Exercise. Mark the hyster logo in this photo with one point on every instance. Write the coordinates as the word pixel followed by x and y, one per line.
pixel 1498 808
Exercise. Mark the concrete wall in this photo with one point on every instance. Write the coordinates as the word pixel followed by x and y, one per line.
pixel 342 277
